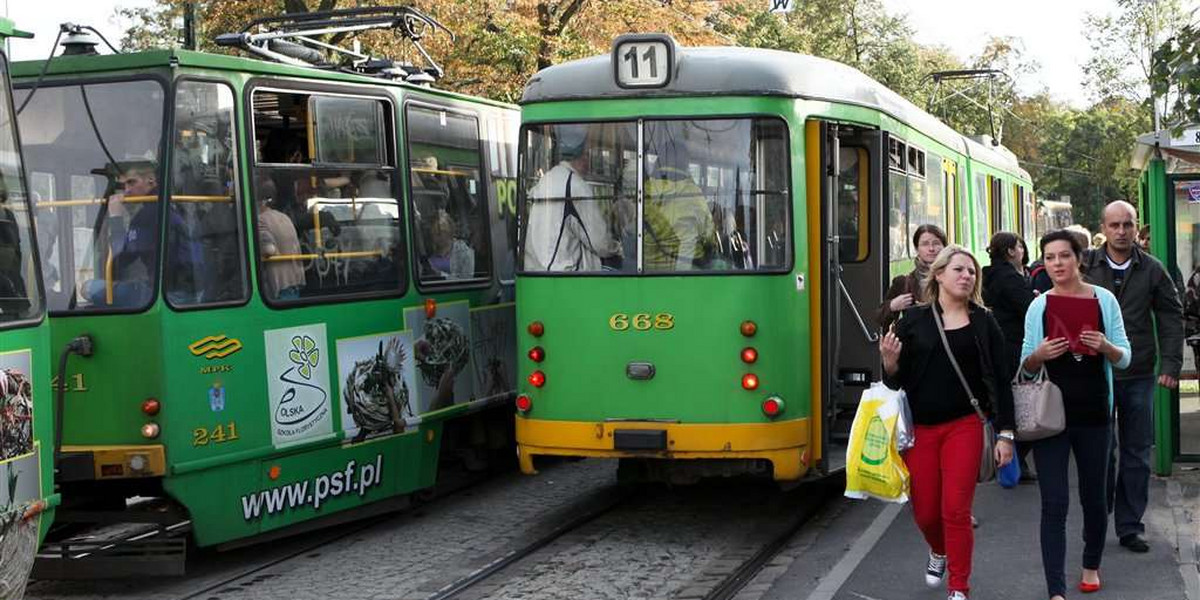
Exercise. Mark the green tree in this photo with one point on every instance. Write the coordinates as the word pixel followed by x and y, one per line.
pixel 1122 47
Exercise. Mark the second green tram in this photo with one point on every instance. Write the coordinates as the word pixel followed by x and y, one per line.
pixel 27 498
pixel 297 285
pixel 707 234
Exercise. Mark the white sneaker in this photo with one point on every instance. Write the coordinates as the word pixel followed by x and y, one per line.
pixel 935 569
pixel 956 596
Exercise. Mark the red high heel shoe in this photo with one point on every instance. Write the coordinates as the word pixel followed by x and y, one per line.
pixel 1088 588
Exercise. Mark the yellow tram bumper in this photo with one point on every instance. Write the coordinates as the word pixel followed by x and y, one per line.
pixel 785 444
pixel 118 462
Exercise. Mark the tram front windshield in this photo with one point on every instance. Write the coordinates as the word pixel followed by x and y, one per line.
pixel 93 156
pixel 19 299
pixel 714 197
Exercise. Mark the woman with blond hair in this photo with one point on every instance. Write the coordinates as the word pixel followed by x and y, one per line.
pixel 944 462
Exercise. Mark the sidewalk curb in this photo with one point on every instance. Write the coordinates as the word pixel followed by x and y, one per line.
pixel 1185 541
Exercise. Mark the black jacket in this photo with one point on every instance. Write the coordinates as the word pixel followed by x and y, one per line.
pixel 908 283
pixel 1008 294
pixel 1148 290
pixel 919 335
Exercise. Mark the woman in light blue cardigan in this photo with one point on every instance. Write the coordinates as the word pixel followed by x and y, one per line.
pixel 1087 401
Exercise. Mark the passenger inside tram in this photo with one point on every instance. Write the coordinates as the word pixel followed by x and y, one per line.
pixel 449 256
pixel 14 300
pixel 132 235
pixel 680 235
pixel 568 229
pixel 279 247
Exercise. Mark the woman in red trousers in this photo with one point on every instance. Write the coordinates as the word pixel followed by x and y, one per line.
pixel 944 462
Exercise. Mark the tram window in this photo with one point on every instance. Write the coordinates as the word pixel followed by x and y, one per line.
pixel 896 154
pixel 852 203
pixel 450 219
pixel 741 225
pixel 580 208
pixel 897 216
pixel 347 130
pixel 94 148
pixel 919 209
pixel 19 299
pixel 204 248
pixel 936 211
pixel 322 231
pixel 982 217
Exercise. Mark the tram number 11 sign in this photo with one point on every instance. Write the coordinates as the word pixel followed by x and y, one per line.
pixel 643 60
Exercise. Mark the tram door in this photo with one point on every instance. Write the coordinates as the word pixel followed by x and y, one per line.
pixel 854 252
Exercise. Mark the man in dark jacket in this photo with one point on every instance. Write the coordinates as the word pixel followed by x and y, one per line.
pixel 1145 290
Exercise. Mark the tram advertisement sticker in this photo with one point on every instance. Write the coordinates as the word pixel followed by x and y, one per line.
pixel 298 383
pixel 377 378
pixel 16 405
pixel 442 353
pixel 494 350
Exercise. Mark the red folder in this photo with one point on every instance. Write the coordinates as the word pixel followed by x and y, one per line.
pixel 1070 316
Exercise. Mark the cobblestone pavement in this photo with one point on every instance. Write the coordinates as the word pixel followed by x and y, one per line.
pixel 668 543
pixel 409 555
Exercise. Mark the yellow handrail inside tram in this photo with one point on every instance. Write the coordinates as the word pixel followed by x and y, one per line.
pixel 352 254
pixel 108 278
pixel 130 200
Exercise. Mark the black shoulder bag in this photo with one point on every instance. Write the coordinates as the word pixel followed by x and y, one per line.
pixel 987 462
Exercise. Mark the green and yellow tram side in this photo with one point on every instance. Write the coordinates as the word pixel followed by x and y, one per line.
pixel 320 309
pixel 747 348
pixel 27 497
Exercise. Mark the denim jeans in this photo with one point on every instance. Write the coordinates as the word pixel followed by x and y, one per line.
pixel 1129 467
pixel 1090 445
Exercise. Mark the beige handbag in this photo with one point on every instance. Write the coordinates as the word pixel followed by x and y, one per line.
pixel 1038 407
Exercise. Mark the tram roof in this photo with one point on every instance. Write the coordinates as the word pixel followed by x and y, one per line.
pixel 737 71
pixel 109 65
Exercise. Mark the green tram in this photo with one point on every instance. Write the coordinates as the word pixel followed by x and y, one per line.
pixel 297 282
pixel 27 497
pixel 707 234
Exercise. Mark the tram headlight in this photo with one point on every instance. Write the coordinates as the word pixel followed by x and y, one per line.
pixel 750 381
pixel 524 403
pixel 138 462
pixel 536 329
pixel 749 328
pixel 150 431
pixel 773 406
pixel 537 379
pixel 151 406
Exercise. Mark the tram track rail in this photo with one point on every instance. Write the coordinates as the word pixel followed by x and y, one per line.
pixel 803 504
pixel 809 506
pixel 516 555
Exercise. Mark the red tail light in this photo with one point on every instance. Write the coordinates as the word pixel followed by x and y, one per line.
pixel 773 406
pixel 536 329
pixel 750 381
pixel 151 406
pixel 430 308
pixel 537 354
pixel 524 403
pixel 749 355
pixel 749 328
pixel 537 379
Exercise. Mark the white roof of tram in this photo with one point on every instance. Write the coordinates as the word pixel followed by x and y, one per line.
pixel 737 71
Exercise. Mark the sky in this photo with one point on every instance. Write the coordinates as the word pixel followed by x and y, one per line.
pixel 1052 30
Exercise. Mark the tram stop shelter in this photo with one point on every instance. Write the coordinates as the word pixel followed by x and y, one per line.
pixel 1169 201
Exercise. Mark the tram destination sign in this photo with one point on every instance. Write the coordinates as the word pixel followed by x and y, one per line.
pixel 643 60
